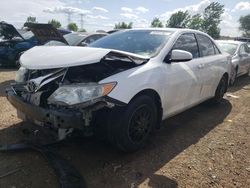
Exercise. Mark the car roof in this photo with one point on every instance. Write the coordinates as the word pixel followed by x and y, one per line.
pixel 166 29
pixel 87 34
pixel 174 30
pixel 231 42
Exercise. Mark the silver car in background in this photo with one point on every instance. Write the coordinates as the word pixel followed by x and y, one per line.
pixel 240 53
pixel 77 39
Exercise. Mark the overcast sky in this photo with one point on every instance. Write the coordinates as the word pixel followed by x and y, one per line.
pixel 103 14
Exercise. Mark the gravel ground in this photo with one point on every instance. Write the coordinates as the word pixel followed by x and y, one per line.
pixel 206 146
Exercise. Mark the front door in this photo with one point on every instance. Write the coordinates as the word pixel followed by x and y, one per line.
pixel 183 84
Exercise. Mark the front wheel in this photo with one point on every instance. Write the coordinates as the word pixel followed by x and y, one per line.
pixel 132 127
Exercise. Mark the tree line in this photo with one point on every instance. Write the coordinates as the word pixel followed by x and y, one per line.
pixel 208 21
pixel 55 23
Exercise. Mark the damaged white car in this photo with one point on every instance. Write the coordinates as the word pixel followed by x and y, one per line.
pixel 121 86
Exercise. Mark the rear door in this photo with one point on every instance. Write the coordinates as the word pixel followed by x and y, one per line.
pixel 210 65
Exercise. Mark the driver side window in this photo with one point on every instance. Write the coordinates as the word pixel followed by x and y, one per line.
pixel 188 43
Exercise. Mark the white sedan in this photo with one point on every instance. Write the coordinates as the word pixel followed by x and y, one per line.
pixel 240 53
pixel 122 86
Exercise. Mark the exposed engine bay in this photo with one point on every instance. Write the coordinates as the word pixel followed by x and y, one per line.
pixel 46 98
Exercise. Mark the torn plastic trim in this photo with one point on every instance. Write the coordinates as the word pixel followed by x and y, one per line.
pixel 78 117
pixel 57 118
pixel 34 85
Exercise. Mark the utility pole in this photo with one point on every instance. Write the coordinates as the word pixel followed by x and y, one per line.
pixel 69 16
pixel 82 15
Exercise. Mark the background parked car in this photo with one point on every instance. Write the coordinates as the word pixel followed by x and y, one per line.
pixel 14 42
pixel 78 39
pixel 240 53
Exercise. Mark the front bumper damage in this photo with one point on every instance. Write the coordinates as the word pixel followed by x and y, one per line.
pixel 60 119
pixel 56 118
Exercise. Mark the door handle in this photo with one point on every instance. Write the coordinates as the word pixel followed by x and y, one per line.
pixel 201 66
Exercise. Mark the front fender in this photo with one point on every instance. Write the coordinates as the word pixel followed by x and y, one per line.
pixel 132 81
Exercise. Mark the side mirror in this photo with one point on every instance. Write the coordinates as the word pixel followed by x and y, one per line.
pixel 83 44
pixel 180 56
pixel 244 54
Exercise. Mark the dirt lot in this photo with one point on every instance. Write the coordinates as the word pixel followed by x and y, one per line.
pixel 207 146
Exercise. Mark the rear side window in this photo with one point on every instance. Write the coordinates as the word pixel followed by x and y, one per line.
pixel 206 45
pixel 247 48
pixel 188 43
pixel 242 49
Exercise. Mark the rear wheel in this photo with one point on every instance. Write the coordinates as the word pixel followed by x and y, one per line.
pixel 221 90
pixel 234 76
pixel 131 127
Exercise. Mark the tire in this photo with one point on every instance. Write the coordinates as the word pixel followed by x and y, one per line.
pixel 220 90
pixel 234 76
pixel 129 128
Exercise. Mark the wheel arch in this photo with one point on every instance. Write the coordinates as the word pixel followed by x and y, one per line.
pixel 156 97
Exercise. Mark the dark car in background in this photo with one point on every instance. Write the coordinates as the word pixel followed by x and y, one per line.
pixel 14 42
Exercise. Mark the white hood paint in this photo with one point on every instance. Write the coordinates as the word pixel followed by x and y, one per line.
pixel 48 57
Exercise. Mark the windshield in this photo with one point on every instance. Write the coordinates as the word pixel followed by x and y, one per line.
pixel 142 42
pixel 27 35
pixel 228 47
pixel 74 39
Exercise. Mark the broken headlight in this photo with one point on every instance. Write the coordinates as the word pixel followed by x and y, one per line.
pixel 79 93
pixel 21 75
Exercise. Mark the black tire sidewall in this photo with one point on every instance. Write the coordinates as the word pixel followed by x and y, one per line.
pixel 218 96
pixel 122 138
pixel 232 82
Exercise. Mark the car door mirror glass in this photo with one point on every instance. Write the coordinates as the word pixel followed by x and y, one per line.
pixel 180 56
pixel 243 54
pixel 84 43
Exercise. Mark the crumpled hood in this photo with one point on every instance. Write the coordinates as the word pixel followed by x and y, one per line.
pixel 48 57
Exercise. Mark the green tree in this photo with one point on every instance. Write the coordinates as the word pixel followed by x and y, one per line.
pixel 72 27
pixel 245 25
pixel 55 23
pixel 178 19
pixel 156 23
pixel 196 22
pixel 212 18
pixel 30 19
pixel 124 25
